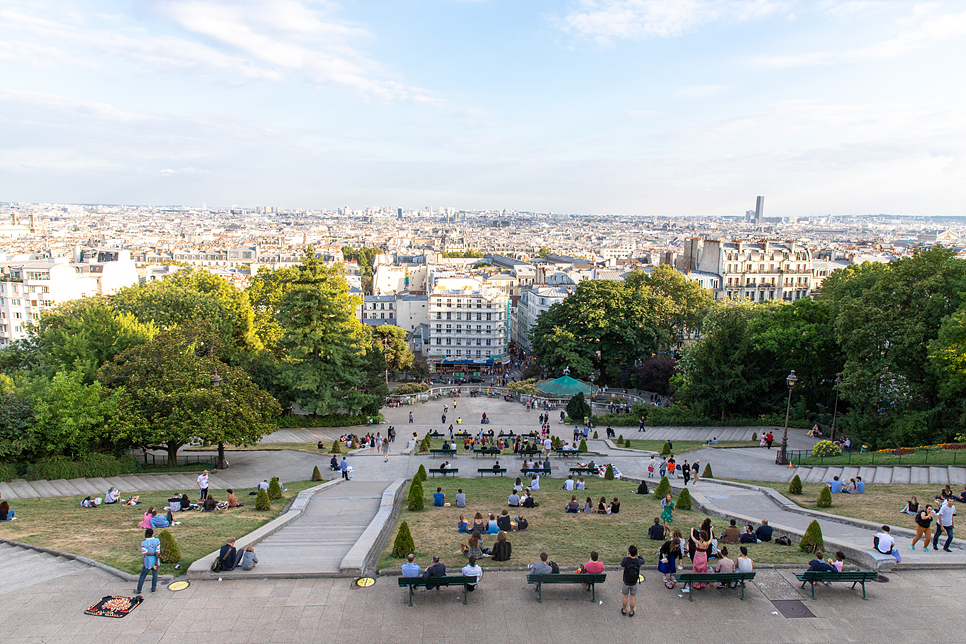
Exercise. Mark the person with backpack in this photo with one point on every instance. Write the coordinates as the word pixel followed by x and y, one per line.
pixel 150 558
pixel 632 574
pixel 543 567
pixel 227 557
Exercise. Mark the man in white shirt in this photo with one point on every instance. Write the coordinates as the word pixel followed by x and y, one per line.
pixel 569 484
pixel 203 485
pixel 944 516
pixel 547 445
pixel 885 544
pixel 472 570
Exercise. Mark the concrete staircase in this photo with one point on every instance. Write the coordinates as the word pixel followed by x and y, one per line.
pixel 23 567
pixel 21 489
pixel 917 475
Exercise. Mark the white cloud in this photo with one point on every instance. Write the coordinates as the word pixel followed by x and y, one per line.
pixel 609 20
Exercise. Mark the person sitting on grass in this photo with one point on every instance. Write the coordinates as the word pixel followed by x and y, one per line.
pixel 233 500
pixel 522 523
pixel 602 506
pixel 503 522
pixel 88 503
pixel 492 527
pixel 528 501
pixel 6 514
pixel 572 507
pixel 581 485
pixel 588 506
pixel 473 547
pixel 132 500
pixel 152 520
pixel 112 496
pixel 614 507
pixel 174 503
pixel 479 524
pixel 656 531
pixel 748 536
pixel 764 531
pixel 642 488
pixel 186 503
pixel 438 497
pixel 460 498
pixel 462 525
pixel 502 548
pixel 513 500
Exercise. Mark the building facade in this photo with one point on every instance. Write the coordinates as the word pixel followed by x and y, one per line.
pixel 468 323
pixel 528 309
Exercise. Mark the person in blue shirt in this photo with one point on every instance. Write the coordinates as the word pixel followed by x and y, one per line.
pixel 818 564
pixel 438 497
pixel 344 466
pixel 410 568
pixel 859 485
pixel 150 558
pixel 835 485
pixel 764 531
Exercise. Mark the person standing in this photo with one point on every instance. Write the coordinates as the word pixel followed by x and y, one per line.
pixel 150 558
pixel 702 541
pixel 385 451
pixel 203 485
pixel 632 576
pixel 945 522
pixel 669 553
pixel 686 472
pixel 667 512
pixel 410 418
pixel 923 527
pixel 344 466
pixel 663 469
pixel 696 468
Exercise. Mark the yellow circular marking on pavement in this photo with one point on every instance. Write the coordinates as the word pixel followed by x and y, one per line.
pixel 178 585
pixel 365 582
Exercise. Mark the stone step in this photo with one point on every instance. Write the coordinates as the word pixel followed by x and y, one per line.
pixel 938 476
pixel 919 475
pixel 84 487
pixel 883 475
pixel 832 472
pixel 7 492
pixel 901 475
pixel 849 473
pixel 817 475
pixel 64 488
pixel 23 489
pixel 185 483
pixel 101 485
pixel 150 483
pixel 867 474
pixel 44 488
pixel 128 483
pixel 957 475
pixel 217 483
pixel 119 483
pixel 171 484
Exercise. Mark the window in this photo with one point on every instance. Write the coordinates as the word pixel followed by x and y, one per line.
pixel 479 316
pixel 439 315
pixel 449 316
pixel 449 341
pixel 489 316
pixel 488 342
pixel 439 340
pixel 477 342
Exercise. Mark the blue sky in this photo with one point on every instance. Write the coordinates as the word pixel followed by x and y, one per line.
pixel 578 106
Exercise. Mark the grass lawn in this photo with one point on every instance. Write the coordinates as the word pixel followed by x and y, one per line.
pixel 567 538
pixel 919 457
pixel 110 533
pixel 683 447
pixel 879 504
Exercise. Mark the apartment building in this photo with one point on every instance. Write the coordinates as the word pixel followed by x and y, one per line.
pixel 468 323
pixel 528 309
pixel 753 270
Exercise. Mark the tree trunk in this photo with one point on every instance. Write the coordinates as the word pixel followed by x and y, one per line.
pixel 173 453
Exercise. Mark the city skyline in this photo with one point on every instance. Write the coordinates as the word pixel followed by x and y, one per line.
pixel 596 106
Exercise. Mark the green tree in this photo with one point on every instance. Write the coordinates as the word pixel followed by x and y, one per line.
pixel 262 502
pixel 812 540
pixel 421 473
pixel 68 416
pixel 795 486
pixel 316 474
pixel 404 545
pixel 663 488
pixel 266 290
pixel 824 498
pixel 167 396
pixel 274 489
pixel 684 500
pixel 391 341
pixel 609 473
pixel 170 552
pixel 415 495
pixel 16 413
pixel 707 473
pixel 577 407
pixel 680 302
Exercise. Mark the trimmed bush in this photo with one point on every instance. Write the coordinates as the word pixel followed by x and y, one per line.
pixel 583 445
pixel 812 540
pixel 404 545
pixel 665 450
pixel 336 447
pixel 421 472
pixel 662 488
pixel 415 495
pixel 262 502
pixel 826 448
pixel 354 444
pixel 8 472
pixel 627 442
pixel 795 487
pixel 754 436
pixel 424 445
pixel 707 473
pixel 411 388
pixel 90 465
pixel 684 500
pixel 824 498
pixel 595 434
pixel 609 474
pixel 620 439
pixel 274 489
pixel 316 474
pixel 332 420
pixel 170 552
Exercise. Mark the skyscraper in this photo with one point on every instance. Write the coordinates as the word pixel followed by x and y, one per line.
pixel 760 210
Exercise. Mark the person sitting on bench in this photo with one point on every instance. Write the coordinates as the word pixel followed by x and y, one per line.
pixel 818 564
pixel 472 570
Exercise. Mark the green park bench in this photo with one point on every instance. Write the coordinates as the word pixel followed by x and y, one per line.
pixel 487 452
pixel 537 470
pixel 443 452
pixel 562 453
pixel 444 472
pixel 566 579
pixel 529 452
pixel 820 576
pixel 583 470
pixel 492 470
pixel 690 578
pixel 419 582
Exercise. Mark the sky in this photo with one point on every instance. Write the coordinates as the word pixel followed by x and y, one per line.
pixel 640 107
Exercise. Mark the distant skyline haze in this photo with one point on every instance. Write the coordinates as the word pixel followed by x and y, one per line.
pixel 579 106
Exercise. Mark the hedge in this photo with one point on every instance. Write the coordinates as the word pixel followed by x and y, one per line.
pixel 410 388
pixel 332 420
pixel 90 465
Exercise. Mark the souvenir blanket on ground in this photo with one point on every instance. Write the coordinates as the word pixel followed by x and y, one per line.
pixel 114 606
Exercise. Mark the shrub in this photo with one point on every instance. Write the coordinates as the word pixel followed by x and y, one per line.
pixel 355 444
pixel 707 473
pixel 415 495
pixel 332 420
pixel 826 448
pixel 411 388
pixel 812 540
pixel 8 472
pixel 170 552
pixel 90 465
pixel 577 407
pixel 609 474
pixel 684 500
pixel 274 489
pixel 424 445
pixel 595 434
pixel 316 474
pixel 627 442
pixel 404 545
pixel 620 439
pixel 824 498
pixel 754 436
pixel 665 450
pixel 583 445
pixel 336 447
pixel 662 488
pixel 421 472
pixel 262 502
pixel 795 487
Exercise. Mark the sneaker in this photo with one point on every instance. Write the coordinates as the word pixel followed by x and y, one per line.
pixel 924 549
pixel 912 547
pixel 946 550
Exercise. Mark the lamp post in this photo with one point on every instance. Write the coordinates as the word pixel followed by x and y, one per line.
pixel 783 454
pixel 835 412
pixel 222 463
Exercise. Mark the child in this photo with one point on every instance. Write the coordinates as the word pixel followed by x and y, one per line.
pixel 461 525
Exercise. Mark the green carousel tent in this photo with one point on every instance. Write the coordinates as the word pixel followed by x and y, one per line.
pixel 564 387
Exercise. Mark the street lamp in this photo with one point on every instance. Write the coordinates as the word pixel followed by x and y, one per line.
pixel 835 413
pixel 222 463
pixel 782 455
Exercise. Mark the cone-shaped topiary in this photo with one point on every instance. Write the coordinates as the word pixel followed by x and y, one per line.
pixel 665 450
pixel 663 488
pixel 824 498
pixel 812 540
pixel 707 473
pixel 416 495
pixel 262 501
pixel 421 472
pixel 354 444
pixel 754 436
pixel 274 489
pixel 336 447
pixel 424 445
pixel 595 434
pixel 609 473
pixel 404 545
pixel 795 487
pixel 620 439
pixel 627 442
pixel 684 500
pixel 170 552
pixel 583 445
pixel 316 474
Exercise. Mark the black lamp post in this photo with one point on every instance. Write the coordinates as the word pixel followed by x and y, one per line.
pixel 835 412
pixel 783 454
pixel 222 464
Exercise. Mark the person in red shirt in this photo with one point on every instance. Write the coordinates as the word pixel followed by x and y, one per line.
pixel 592 567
